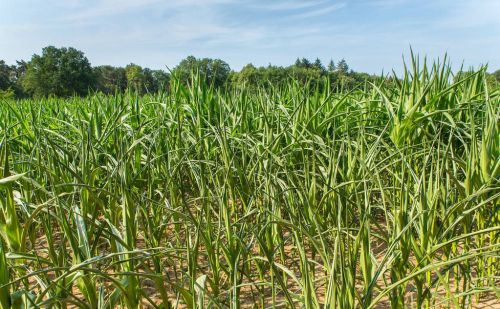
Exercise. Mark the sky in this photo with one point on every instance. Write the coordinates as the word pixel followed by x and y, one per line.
pixel 373 36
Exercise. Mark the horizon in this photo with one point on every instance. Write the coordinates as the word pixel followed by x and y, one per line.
pixel 158 35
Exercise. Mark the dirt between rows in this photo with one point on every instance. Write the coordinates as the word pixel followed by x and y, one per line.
pixel 248 293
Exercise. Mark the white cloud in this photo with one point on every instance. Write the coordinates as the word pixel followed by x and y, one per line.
pixel 286 5
pixel 155 32
pixel 102 8
pixel 188 22
pixel 321 11
pixel 386 3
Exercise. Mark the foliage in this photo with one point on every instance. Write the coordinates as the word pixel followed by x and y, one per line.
pixel 497 75
pixel 5 76
pixel 110 79
pixel 7 94
pixel 281 196
pixel 155 80
pixel 303 72
pixel 49 76
pixel 342 67
pixel 212 71
pixel 58 71
pixel 135 77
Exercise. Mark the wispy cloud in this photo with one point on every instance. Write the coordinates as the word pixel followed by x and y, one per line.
pixel 159 32
pixel 103 8
pixel 386 3
pixel 321 11
pixel 181 23
pixel 106 8
pixel 285 5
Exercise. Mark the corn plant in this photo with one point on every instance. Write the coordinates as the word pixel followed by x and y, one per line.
pixel 284 196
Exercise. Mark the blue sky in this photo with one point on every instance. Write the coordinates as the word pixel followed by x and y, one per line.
pixel 372 35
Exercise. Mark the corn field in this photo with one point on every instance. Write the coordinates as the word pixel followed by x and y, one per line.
pixel 295 197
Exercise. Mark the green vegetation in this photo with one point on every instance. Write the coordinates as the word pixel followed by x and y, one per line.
pixel 58 71
pixel 66 72
pixel 212 71
pixel 293 194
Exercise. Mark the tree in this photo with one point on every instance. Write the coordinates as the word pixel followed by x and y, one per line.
pixel 110 79
pixel 306 63
pixel 10 79
pixel 317 65
pixel 342 67
pixel 331 66
pixel 248 76
pixel 58 71
pixel 155 80
pixel 135 77
pixel 274 75
pixel 6 91
pixel 497 75
pixel 5 76
pixel 20 69
pixel 161 80
pixel 213 71
pixel 303 75
pixel 217 72
pixel 17 76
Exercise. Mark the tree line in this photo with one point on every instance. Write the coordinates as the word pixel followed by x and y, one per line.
pixel 64 72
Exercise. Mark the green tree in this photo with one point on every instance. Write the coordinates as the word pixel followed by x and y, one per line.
pixel 161 80
pixel 149 81
pixel 248 76
pixel 317 65
pixel 213 71
pixel 10 79
pixel 17 77
pixel 59 72
pixel 135 77
pixel 331 66
pixel 110 79
pixel 304 75
pixel 305 63
pixel 497 75
pixel 155 80
pixel 5 76
pixel 342 67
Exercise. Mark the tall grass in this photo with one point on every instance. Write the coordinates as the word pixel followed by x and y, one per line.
pixel 386 196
